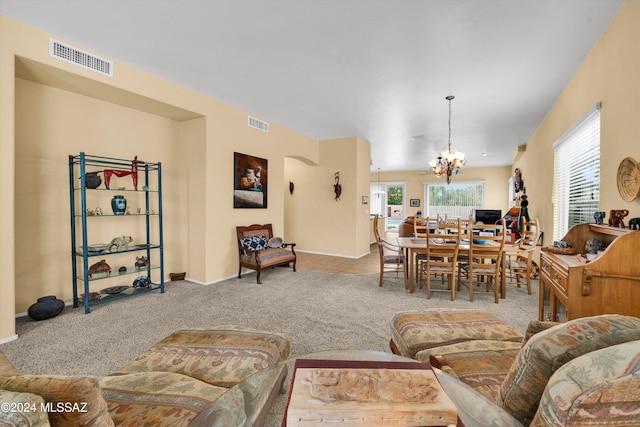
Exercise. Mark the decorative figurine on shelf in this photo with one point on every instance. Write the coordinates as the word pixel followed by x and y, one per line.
pixel 121 243
pixel 337 188
pixel 100 267
pixel 141 262
pixel 120 173
pixel 141 282
pixel 634 223
pixel 599 217
pixel 122 270
pixel 616 217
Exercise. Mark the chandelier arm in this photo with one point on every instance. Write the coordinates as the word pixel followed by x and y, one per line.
pixel 448 163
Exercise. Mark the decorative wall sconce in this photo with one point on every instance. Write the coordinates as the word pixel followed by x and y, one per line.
pixel 337 187
pixel 291 188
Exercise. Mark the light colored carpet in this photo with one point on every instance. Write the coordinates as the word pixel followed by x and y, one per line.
pixel 317 311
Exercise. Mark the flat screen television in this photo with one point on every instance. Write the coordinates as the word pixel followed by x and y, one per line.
pixel 488 216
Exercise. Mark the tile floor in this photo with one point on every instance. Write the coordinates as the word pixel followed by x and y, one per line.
pixel 334 264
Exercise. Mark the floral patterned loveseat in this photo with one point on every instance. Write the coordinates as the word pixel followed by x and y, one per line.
pixel 222 376
pixel 585 372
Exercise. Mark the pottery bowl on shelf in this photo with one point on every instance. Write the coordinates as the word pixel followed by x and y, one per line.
pixel 96 248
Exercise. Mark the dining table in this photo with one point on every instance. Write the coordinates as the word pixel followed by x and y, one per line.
pixel 412 246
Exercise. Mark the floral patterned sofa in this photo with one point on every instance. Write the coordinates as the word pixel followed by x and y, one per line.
pixel 222 376
pixel 585 372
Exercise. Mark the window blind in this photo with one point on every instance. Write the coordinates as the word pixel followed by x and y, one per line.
pixel 576 180
pixel 454 200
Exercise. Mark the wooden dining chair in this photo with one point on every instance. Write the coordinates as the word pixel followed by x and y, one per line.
pixel 442 258
pixel 421 228
pixel 391 256
pixel 519 260
pixel 483 268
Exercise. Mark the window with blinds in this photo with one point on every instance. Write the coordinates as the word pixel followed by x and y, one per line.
pixel 576 179
pixel 457 200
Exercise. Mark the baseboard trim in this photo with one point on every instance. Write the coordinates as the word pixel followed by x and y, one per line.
pixel 335 255
pixel 9 339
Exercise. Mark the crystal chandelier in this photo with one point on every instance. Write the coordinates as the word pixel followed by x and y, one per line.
pixel 448 162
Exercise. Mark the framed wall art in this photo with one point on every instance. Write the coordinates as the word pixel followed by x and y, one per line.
pixel 250 181
pixel 414 203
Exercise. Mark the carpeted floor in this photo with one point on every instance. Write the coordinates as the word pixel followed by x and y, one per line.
pixel 317 311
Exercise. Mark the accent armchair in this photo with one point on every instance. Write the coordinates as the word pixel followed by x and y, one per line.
pixel 259 250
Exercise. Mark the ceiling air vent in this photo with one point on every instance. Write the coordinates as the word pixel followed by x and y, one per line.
pixel 79 57
pixel 258 124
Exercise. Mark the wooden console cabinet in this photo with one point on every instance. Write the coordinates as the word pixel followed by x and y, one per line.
pixel 570 288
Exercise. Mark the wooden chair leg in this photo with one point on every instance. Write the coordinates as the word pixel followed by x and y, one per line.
pixel 393 347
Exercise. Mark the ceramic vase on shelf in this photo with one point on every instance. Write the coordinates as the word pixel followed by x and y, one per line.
pixel 118 205
pixel 92 180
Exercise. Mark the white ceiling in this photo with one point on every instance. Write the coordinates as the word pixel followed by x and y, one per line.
pixel 379 69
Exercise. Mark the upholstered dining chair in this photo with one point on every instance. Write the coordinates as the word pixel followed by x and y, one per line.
pixel 391 255
pixel 441 257
pixel 483 268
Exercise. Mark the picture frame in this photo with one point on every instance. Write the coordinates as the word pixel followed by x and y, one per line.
pixel 414 203
pixel 365 200
pixel 250 181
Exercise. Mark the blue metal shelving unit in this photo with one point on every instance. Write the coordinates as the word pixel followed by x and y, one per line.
pixel 81 257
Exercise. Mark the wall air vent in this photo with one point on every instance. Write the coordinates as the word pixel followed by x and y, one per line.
pixel 79 57
pixel 258 124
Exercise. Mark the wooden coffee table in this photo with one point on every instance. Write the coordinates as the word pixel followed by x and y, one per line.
pixel 363 387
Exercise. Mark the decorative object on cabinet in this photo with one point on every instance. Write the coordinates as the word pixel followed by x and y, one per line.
pixel 92 180
pixel 628 179
pixel 599 217
pixel 634 224
pixel 616 217
pixel 100 267
pixel 593 246
pixel 121 243
pixel 83 224
pixel 120 173
pixel 570 288
pixel 118 205
pixel 46 308
pixel 250 181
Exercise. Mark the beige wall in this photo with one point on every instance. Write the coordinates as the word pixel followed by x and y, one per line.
pixel 314 220
pixel 50 109
pixel 495 181
pixel 609 74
